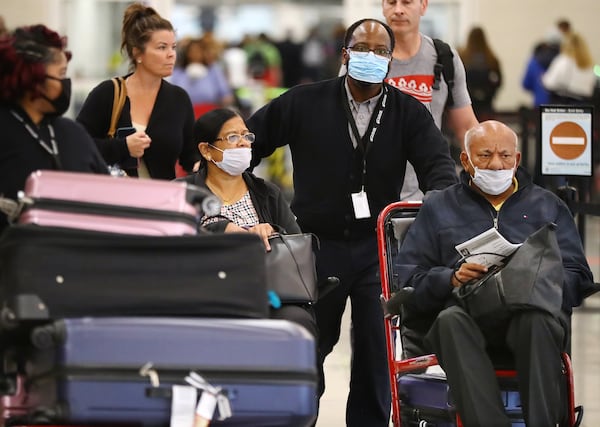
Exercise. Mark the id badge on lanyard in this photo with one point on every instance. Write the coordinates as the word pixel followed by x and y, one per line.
pixel 360 202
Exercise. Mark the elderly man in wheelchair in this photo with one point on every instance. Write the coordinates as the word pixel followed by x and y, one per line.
pixel 494 192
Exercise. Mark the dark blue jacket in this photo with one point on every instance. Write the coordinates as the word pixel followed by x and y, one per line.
pixel 458 213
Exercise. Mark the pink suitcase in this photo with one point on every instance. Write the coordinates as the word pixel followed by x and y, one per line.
pixel 114 204
pixel 15 403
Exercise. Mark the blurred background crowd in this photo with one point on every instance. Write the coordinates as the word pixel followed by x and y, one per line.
pixel 242 54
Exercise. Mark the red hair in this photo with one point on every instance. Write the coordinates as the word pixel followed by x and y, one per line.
pixel 24 55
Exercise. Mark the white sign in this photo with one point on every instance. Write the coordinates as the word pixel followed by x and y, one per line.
pixel 566 140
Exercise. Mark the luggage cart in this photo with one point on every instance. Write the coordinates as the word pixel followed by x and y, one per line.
pixel 392 224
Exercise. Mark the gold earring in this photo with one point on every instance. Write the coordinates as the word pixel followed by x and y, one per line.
pixel 139 61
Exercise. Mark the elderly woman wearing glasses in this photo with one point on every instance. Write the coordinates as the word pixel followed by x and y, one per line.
pixel 250 204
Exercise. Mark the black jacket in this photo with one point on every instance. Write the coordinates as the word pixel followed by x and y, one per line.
pixel 170 128
pixel 327 169
pixel 21 153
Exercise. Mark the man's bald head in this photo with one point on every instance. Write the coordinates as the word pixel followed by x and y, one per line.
pixel 490 129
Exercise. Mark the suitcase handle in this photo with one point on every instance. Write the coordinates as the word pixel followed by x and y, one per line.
pixel 23 307
pixel 206 202
pixel 159 392
pixel 167 392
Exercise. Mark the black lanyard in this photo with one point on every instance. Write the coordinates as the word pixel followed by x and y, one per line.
pixel 364 143
pixel 51 149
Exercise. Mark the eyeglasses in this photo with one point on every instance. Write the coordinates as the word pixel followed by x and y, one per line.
pixel 234 138
pixel 364 50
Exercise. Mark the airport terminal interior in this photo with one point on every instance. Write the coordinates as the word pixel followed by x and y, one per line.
pixel 93 30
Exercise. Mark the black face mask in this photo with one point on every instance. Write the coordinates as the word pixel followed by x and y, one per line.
pixel 62 101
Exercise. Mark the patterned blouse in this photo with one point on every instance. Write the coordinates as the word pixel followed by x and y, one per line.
pixel 242 213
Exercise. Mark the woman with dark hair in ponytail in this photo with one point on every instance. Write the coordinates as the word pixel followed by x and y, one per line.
pixel 159 115
pixel 34 93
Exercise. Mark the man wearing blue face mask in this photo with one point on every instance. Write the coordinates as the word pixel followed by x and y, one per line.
pixel 350 138
pixel 494 192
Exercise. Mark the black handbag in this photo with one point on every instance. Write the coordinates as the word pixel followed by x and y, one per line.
pixel 531 278
pixel 291 271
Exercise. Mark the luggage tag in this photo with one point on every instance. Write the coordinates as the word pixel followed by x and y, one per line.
pixel 361 204
pixel 183 406
pixel 212 398
pixel 183 399
pixel 205 409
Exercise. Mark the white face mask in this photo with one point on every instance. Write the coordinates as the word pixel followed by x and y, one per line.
pixel 196 70
pixel 492 182
pixel 235 160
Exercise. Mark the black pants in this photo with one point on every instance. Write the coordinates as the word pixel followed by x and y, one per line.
pixel 535 339
pixel 304 316
pixel 355 263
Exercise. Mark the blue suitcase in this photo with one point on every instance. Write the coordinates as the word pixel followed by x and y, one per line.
pixel 426 401
pixel 88 370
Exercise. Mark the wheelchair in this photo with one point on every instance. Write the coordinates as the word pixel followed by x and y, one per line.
pixel 392 225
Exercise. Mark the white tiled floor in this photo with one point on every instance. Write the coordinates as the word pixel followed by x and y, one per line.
pixel 585 350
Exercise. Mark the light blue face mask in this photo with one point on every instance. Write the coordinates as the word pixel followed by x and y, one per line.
pixel 367 67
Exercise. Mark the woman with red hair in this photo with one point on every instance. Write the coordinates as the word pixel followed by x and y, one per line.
pixel 34 93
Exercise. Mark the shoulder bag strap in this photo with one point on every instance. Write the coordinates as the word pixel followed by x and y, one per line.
pixel 118 102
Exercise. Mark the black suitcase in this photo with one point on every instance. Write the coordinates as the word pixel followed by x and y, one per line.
pixel 52 273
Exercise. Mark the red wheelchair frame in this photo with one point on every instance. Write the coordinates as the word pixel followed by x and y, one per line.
pixel 399 367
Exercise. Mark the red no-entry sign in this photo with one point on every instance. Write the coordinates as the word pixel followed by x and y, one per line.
pixel 566 140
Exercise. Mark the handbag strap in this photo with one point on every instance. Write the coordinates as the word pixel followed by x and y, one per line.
pixel 118 103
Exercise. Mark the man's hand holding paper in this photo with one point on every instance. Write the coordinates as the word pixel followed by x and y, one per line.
pixel 488 248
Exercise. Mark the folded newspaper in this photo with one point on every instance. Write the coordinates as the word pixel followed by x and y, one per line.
pixel 488 248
